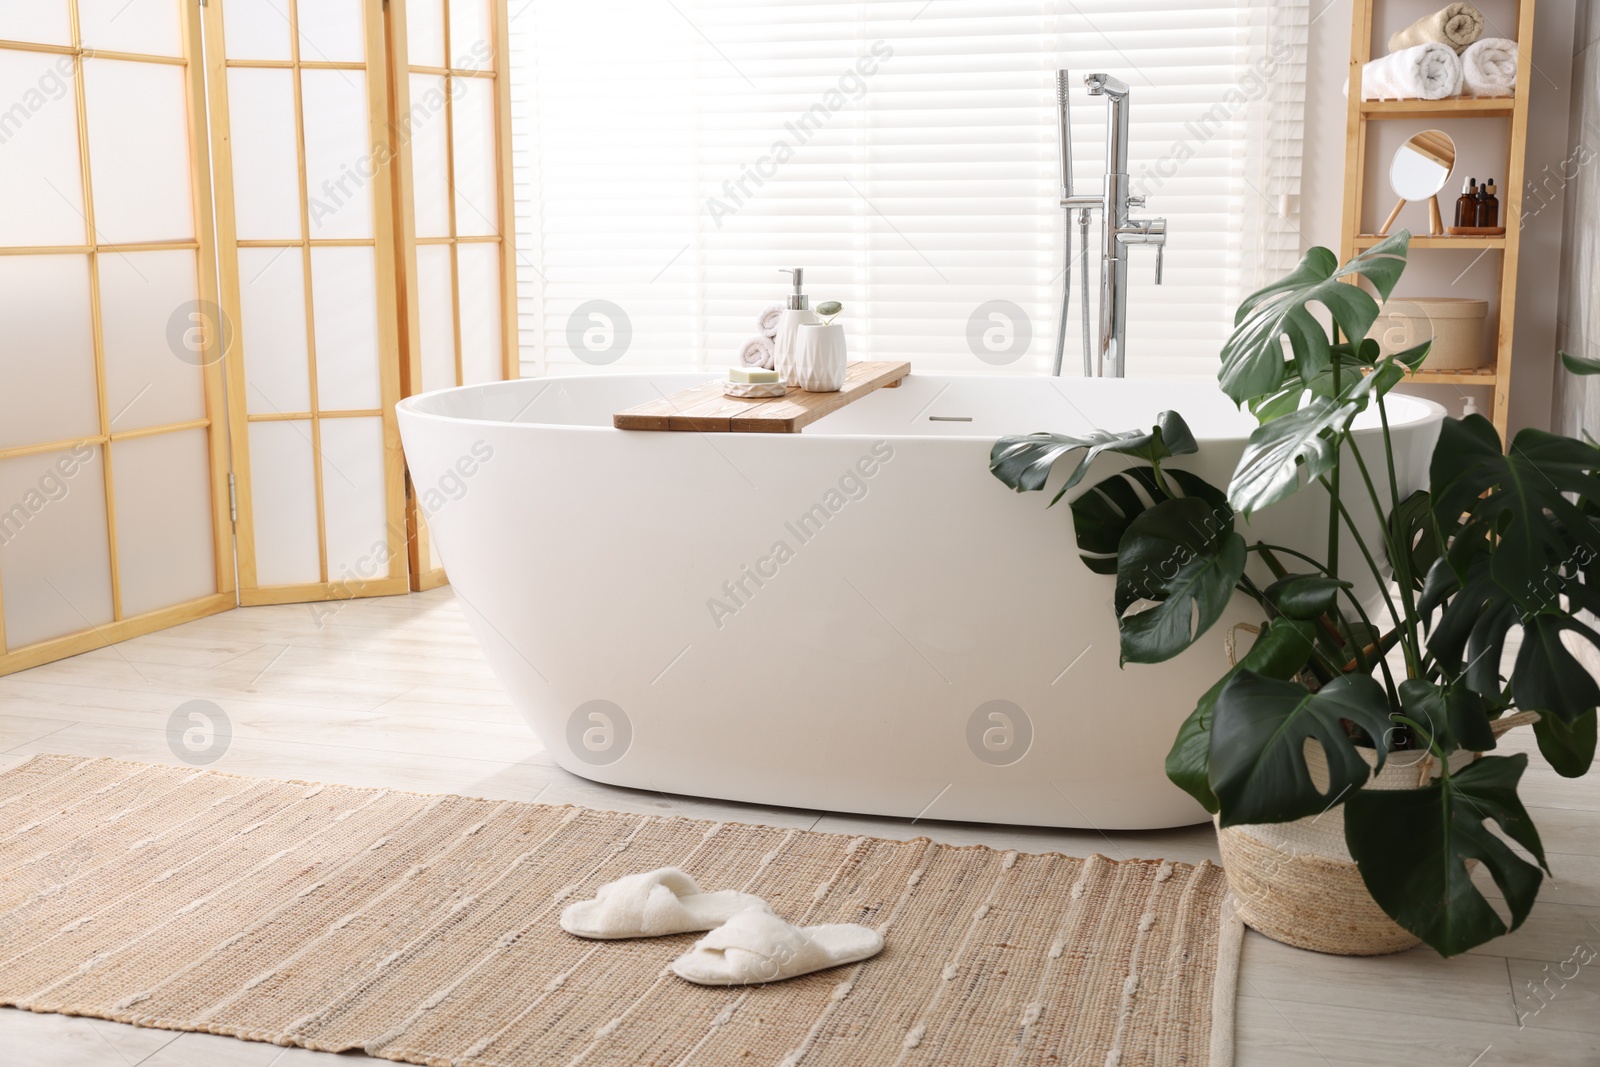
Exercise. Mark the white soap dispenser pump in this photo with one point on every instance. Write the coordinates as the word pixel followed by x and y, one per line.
pixel 796 313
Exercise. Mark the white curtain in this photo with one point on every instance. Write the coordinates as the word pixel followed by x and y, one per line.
pixel 672 155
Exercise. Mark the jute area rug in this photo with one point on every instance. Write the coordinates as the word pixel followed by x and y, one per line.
pixel 423 929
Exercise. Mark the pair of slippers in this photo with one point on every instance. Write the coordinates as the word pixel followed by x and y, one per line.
pixel 747 945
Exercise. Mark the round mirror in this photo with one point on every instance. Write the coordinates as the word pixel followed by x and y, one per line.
pixel 1422 165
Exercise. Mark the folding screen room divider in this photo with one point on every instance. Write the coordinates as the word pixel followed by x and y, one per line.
pixel 234 235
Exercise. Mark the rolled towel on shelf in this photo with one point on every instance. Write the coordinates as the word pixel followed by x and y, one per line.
pixel 1489 68
pixel 767 324
pixel 1425 72
pixel 1458 26
pixel 757 352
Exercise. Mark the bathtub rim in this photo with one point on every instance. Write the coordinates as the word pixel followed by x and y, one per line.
pixel 1430 411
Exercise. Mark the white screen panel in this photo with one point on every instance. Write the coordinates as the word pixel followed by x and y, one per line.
pixel 425 33
pixel 344 307
pixel 436 312
pixel 165 549
pixel 338 158
pixel 471 35
pixel 54 552
pixel 479 265
pixel 354 499
pixel 283 497
pixel 48 348
pixel 477 205
pixel 147 27
pixel 39 150
pixel 256 29
pixel 430 160
pixel 266 169
pixel 331 31
pixel 139 151
pixel 148 311
pixel 36 21
pixel 272 303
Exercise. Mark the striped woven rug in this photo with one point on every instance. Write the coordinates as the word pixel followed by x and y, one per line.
pixel 423 929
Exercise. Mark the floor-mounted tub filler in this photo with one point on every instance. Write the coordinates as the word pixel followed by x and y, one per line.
pixel 855 618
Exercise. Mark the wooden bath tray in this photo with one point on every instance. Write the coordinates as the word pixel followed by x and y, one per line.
pixel 705 409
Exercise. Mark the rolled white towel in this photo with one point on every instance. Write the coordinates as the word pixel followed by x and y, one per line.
pixel 757 352
pixel 1427 72
pixel 767 324
pixel 1489 68
pixel 1457 25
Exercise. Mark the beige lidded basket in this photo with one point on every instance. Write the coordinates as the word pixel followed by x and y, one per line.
pixel 1454 324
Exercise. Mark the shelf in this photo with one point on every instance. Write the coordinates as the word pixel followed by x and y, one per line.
pixel 1460 106
pixel 1422 240
pixel 1482 376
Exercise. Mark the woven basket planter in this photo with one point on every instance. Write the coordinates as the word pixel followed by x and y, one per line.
pixel 1296 883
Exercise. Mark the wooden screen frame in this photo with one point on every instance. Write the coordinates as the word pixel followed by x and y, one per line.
pixel 423 574
pixel 375 69
pixel 122 627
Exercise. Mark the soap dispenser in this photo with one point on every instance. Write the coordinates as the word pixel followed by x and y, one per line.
pixel 796 313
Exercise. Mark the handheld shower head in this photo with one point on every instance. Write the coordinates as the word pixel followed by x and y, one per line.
pixel 1064 134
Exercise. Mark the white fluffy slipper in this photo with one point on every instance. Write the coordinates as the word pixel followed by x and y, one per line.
pixel 756 946
pixel 653 904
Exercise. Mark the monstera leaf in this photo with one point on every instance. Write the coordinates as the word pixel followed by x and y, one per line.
pixel 1547 677
pixel 1284 647
pixel 1103 513
pixel 1580 364
pixel 1269 470
pixel 1352 362
pixel 1253 363
pixel 1304 596
pixel 1258 735
pixel 1183 555
pixel 1024 463
pixel 1523 539
pixel 1518 497
pixel 1412 846
pixel 1453 715
pixel 1413 531
pixel 1568 746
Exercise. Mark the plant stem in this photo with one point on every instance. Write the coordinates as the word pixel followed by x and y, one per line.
pixel 1405 622
pixel 1333 488
pixel 1372 565
pixel 1263 547
pixel 1402 559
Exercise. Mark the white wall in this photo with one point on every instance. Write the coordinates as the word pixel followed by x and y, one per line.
pixel 1481 147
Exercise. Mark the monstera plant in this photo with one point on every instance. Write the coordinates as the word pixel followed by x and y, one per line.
pixel 1502 541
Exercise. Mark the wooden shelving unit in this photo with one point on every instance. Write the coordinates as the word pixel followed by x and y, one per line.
pixel 1363 112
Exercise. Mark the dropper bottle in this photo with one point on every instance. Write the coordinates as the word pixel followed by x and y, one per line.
pixel 1467 204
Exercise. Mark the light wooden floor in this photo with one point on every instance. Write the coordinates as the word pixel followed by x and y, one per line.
pixel 394 692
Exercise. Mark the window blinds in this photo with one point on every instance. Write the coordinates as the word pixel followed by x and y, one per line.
pixel 671 155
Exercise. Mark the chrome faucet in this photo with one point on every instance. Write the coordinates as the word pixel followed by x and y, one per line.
pixel 1119 231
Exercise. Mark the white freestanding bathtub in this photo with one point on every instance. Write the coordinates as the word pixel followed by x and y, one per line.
pixel 856 618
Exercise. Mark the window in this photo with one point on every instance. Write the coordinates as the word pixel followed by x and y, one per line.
pixel 671 155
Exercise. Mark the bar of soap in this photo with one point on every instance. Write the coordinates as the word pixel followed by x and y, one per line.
pixel 751 375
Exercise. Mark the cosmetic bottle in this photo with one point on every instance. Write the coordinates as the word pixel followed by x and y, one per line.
pixel 796 312
pixel 1483 205
pixel 1489 210
pixel 1467 204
